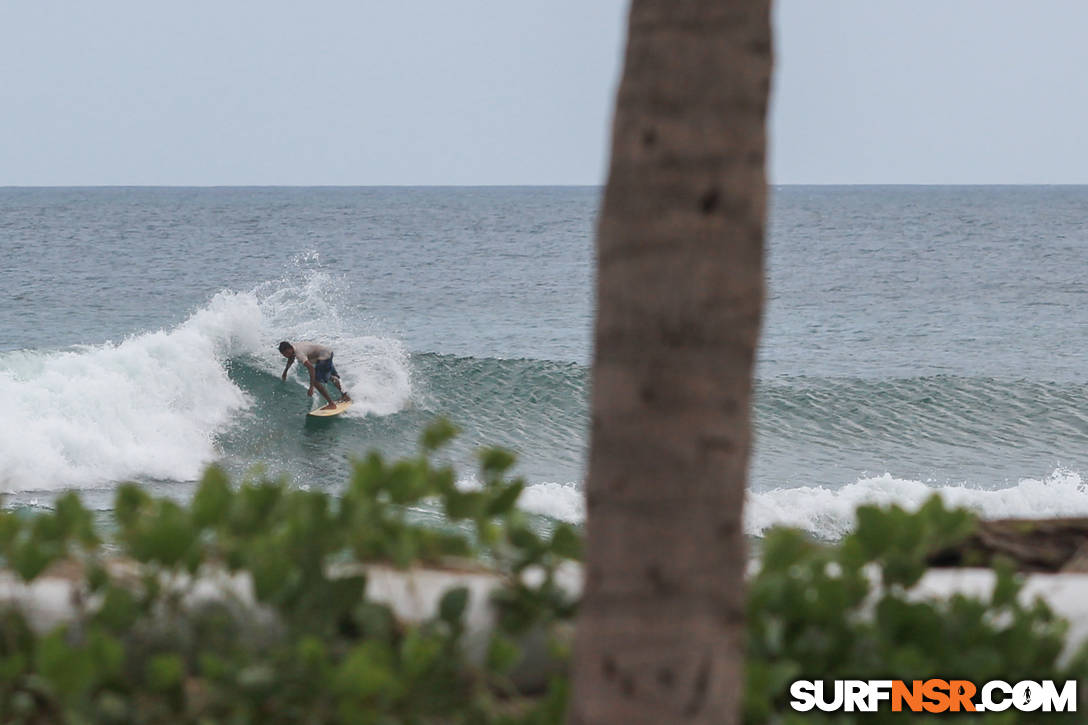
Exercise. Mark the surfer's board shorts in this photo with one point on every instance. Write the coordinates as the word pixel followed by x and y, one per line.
pixel 324 369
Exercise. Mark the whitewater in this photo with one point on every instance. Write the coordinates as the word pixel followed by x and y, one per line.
pixel 153 404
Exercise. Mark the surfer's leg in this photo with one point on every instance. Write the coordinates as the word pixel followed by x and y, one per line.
pixel 335 377
pixel 343 393
pixel 324 394
pixel 323 372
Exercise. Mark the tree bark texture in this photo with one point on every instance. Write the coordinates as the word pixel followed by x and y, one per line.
pixel 679 301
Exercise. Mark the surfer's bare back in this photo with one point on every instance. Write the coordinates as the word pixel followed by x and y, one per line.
pixel 318 362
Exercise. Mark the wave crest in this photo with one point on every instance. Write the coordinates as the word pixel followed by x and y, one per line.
pixel 829 513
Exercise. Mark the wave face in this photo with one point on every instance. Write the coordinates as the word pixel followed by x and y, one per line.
pixel 985 411
pixel 999 447
pixel 159 406
pixel 537 407
pixel 983 431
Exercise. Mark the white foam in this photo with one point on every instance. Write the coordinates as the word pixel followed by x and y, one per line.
pixel 152 405
pixel 149 406
pixel 563 501
pixel 829 513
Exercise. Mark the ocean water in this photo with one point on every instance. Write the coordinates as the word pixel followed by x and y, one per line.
pixel 916 339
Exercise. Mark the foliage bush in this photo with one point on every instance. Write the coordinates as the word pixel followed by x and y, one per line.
pixel 140 650
pixel 844 611
pixel 316 649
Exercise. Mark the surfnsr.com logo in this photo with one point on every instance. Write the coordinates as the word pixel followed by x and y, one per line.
pixel 933 696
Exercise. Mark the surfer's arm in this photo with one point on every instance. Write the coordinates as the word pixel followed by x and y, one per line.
pixel 286 368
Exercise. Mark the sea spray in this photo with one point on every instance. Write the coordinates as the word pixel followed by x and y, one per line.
pixel 374 369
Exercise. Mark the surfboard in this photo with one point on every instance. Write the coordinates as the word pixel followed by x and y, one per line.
pixel 341 406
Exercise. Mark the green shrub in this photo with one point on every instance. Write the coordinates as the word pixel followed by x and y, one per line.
pixel 842 611
pixel 316 649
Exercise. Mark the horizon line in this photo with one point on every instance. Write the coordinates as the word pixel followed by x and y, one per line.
pixel 502 186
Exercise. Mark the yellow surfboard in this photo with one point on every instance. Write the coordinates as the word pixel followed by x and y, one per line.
pixel 323 412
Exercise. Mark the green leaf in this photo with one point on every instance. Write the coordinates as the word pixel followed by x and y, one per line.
pixel 452 606
pixel 67 668
pixel 272 573
pixel 74 520
pixel 166 537
pixel 873 532
pixel 376 621
pixel 253 505
pixel 367 476
pixel 405 484
pixel 552 709
pixel 419 652
pixel 1007 587
pixel 10 526
pixel 464 504
pixel 106 653
pixel 31 558
pixel 403 547
pixel 523 538
pixel 366 672
pixel 211 504
pixel 119 610
pixel 566 542
pixel 502 654
pixel 312 652
pixel 213 666
pixel 495 461
pixel 128 503
pixel 165 672
pixel 344 593
pixel 438 434
pixel 504 502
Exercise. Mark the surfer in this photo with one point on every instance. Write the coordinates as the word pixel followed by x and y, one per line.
pixel 318 361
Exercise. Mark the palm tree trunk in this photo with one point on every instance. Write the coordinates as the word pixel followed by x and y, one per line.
pixel 679 301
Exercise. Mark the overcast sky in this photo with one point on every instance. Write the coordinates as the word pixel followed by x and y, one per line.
pixel 517 91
